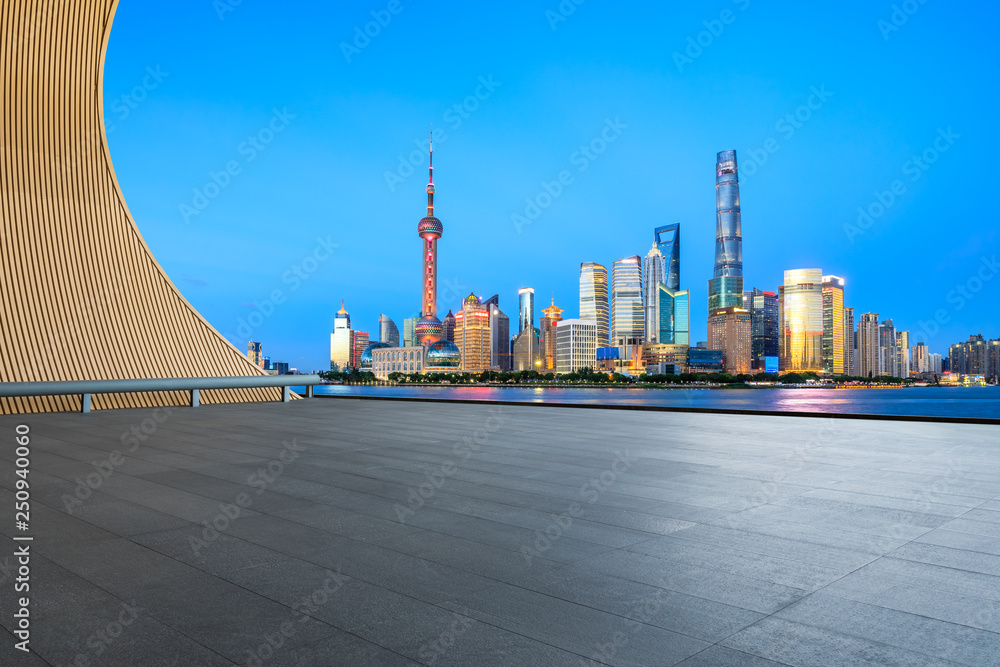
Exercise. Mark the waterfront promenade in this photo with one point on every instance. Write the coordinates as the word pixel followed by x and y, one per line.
pixel 353 532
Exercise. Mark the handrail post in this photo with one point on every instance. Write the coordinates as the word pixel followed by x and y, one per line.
pixel 194 398
pixel 310 390
pixel 286 394
pixel 85 404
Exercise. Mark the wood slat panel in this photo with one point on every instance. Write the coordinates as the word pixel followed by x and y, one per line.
pixel 81 295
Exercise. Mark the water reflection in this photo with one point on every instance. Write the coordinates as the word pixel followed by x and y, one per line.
pixel 929 401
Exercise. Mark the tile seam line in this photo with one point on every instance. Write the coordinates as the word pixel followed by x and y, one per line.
pixel 827 629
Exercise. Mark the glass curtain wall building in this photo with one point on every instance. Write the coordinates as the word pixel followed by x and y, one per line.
pixel 594 298
pixel 725 289
pixel 627 314
pixel 526 308
pixel 763 307
pixel 801 315
pixel 674 310
pixel 668 242
pixel 387 331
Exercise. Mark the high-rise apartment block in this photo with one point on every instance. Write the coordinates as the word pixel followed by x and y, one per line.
pixel 869 356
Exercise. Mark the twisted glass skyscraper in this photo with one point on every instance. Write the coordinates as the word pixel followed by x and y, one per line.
pixel 668 242
pixel 725 289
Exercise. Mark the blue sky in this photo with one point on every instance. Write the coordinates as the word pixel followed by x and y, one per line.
pixel 265 152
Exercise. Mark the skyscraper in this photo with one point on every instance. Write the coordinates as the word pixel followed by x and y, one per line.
pixel 255 355
pixel 359 343
pixel 764 343
pixel 903 354
pixel 850 353
pixel 472 334
pixel 801 315
pixel 887 348
pixel 448 327
pixel 550 320
pixel 729 330
pixel 725 289
pixel 340 341
pixel 428 329
pixel 668 242
pixel 833 325
pixel 410 331
pixel 920 358
pixel 674 313
pixel 627 315
pixel 387 331
pixel 500 355
pixel 594 298
pixel 653 276
pixel 868 346
pixel 526 308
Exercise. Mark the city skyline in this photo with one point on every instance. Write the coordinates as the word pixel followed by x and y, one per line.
pixel 818 138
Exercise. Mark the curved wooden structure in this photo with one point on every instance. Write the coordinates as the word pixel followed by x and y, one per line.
pixel 81 296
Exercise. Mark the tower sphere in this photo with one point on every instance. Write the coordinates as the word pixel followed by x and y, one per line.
pixel 430 225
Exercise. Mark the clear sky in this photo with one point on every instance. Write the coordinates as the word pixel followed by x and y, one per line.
pixel 264 151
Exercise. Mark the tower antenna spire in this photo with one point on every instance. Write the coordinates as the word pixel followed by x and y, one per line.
pixel 430 176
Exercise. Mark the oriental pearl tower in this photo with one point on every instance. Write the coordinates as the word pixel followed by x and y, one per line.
pixel 429 328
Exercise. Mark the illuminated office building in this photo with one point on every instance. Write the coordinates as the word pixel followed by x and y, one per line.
pixel 725 289
pixel 576 345
pixel 850 353
pixel 764 343
pixel 729 330
pixel 800 312
pixel 674 316
pixel 388 333
pixel 341 340
pixel 833 325
pixel 668 242
pixel 472 335
pixel 652 278
pixel 594 298
pixel 526 351
pixel 627 314
pixel 551 317
pixel 868 346
pixel 526 309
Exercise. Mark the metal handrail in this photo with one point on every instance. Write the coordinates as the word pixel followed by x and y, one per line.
pixel 86 388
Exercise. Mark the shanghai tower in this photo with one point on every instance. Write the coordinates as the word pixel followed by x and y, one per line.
pixel 725 289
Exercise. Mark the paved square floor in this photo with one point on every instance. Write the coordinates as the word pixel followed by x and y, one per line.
pixel 349 532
